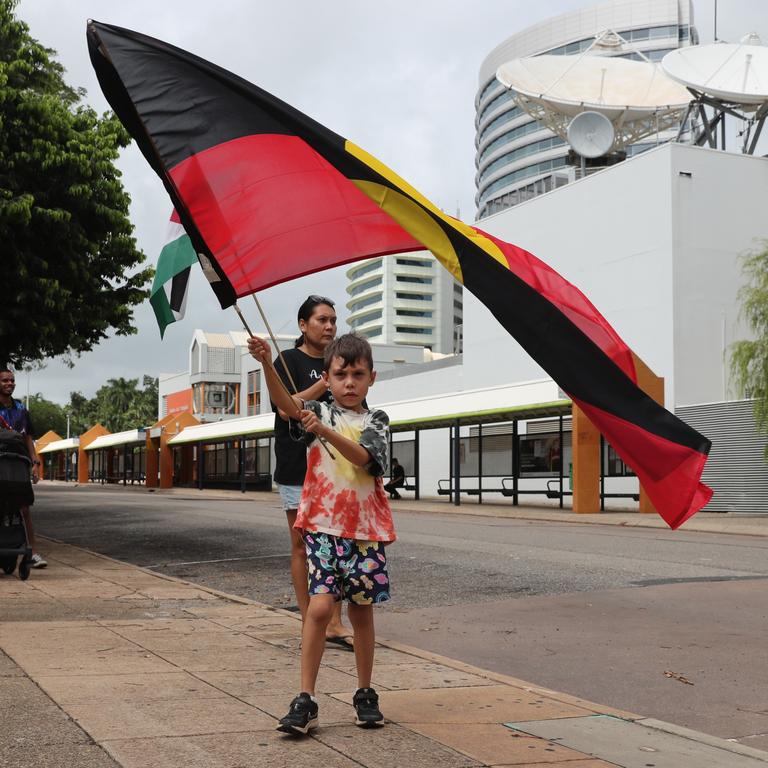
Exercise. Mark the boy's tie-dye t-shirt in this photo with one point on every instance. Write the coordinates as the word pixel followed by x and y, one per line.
pixel 338 497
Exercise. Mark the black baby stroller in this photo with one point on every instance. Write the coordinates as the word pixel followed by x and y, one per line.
pixel 15 493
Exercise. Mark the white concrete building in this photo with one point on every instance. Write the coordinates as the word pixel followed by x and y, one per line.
pixel 516 156
pixel 406 299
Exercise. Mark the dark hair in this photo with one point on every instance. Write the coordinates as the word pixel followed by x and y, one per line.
pixel 306 310
pixel 6 369
pixel 350 348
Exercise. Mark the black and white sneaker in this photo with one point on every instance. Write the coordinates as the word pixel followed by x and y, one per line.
pixel 301 717
pixel 366 704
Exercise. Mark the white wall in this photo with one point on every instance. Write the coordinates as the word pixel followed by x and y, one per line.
pixel 609 234
pixel 718 215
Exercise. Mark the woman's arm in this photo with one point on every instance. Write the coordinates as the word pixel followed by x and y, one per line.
pixel 289 405
pixel 313 392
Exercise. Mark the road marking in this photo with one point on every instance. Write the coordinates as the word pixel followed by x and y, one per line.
pixel 205 562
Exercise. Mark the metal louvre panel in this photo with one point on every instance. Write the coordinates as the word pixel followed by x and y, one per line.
pixel 535 427
pixel 736 470
pixel 547 425
pixel 492 429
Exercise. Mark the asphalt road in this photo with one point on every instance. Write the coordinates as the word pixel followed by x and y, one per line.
pixel 665 624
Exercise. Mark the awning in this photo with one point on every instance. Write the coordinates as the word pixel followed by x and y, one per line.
pixel 528 400
pixel 229 429
pixel 69 444
pixel 131 437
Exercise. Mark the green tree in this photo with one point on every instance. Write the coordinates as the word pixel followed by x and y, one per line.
pixel 749 359
pixel 64 227
pixel 143 410
pixel 47 416
pixel 82 413
pixel 118 405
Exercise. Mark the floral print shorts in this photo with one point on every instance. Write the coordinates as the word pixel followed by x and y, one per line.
pixel 346 568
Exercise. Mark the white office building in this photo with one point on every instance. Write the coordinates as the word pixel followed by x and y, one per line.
pixel 406 299
pixel 516 156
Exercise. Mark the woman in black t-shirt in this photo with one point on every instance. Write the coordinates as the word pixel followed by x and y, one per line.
pixel 317 323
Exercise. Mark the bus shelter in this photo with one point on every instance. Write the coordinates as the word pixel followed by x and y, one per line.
pixel 59 459
pixel 516 440
pixel 234 453
pixel 118 457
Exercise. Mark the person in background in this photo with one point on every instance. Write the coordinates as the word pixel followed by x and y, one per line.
pixel 14 416
pixel 396 479
pixel 317 323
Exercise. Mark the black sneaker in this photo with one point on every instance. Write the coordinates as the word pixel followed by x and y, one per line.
pixel 366 704
pixel 302 716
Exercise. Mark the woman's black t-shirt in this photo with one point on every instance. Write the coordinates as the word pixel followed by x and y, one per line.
pixel 290 455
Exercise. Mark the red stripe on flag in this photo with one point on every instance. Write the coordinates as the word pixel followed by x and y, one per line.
pixel 570 301
pixel 270 209
pixel 669 472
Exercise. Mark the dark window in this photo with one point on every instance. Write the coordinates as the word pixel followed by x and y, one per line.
pixel 414 296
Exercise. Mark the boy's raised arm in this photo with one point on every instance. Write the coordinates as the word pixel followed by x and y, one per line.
pixel 259 349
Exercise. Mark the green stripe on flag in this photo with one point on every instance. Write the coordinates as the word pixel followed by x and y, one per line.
pixel 177 256
pixel 162 309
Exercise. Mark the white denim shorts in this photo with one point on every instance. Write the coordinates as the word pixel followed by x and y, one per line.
pixel 290 495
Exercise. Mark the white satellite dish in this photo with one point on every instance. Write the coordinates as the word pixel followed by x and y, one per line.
pixel 733 72
pixel 729 78
pixel 591 134
pixel 635 96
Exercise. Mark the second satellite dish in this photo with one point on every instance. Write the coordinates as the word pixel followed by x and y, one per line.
pixel 734 72
pixel 591 134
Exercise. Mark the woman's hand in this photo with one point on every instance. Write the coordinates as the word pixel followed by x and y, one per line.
pixel 313 424
pixel 259 349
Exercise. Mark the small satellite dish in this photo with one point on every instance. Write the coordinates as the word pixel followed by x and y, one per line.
pixel 733 72
pixel 591 134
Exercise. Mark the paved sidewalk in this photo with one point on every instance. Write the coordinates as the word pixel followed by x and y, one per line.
pixel 104 664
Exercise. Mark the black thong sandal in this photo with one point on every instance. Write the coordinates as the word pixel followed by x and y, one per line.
pixel 343 641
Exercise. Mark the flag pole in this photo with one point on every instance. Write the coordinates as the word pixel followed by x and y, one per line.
pixel 293 384
pixel 274 341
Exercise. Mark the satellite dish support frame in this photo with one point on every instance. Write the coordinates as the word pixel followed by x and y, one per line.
pixel 706 131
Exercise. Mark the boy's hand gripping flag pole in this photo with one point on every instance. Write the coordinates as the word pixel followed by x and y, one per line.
pixel 268 194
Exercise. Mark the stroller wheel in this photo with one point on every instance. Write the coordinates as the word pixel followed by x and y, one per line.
pixel 9 565
pixel 24 569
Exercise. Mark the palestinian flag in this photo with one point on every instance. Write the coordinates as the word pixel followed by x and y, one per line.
pixel 267 194
pixel 169 289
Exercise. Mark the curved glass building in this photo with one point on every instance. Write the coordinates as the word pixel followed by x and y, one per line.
pixel 516 156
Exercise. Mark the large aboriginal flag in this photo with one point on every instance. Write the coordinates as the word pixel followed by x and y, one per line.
pixel 268 194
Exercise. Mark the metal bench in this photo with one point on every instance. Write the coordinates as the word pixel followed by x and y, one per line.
pixel 552 491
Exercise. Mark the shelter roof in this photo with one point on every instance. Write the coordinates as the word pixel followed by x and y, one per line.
pixel 118 438
pixel 61 445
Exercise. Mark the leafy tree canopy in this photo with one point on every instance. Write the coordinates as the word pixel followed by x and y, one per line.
pixel 66 236
pixel 47 416
pixel 749 359
pixel 119 405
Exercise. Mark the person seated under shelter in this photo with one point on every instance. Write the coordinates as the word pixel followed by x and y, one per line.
pixel 396 479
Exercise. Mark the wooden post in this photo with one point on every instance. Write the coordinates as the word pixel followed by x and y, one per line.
pixel 82 455
pixel 653 386
pixel 40 443
pixel 585 451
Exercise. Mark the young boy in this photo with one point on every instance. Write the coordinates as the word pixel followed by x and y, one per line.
pixel 344 516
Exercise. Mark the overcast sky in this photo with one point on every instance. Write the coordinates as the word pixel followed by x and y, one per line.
pixel 398 78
